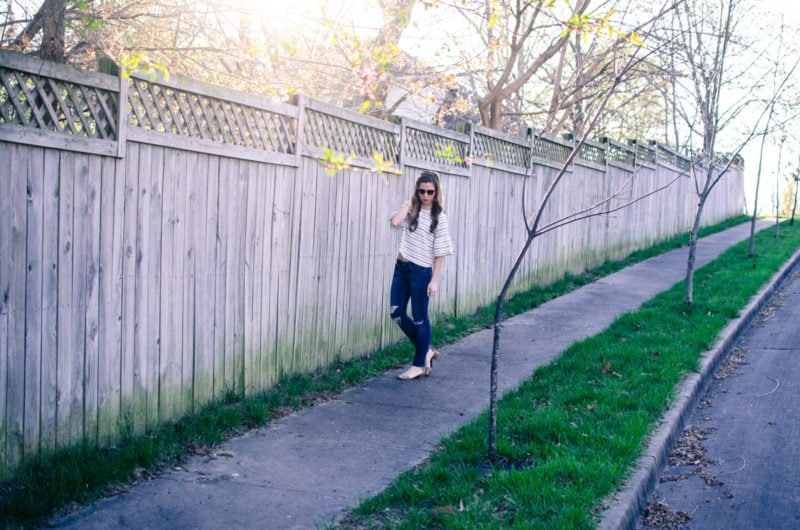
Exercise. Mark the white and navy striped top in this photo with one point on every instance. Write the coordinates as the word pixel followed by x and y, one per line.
pixel 421 246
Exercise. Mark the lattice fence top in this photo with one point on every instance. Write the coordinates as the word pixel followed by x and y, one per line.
pixel 430 147
pixel 323 130
pixel 56 99
pixel 723 159
pixel 499 150
pixel 592 153
pixel 645 154
pixel 682 163
pixel 620 153
pixel 170 110
pixel 550 150
pixel 57 106
pixel 672 158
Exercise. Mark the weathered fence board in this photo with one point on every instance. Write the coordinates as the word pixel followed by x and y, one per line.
pixel 33 297
pixel 281 260
pixel 223 332
pixel 170 246
pixel 50 303
pixel 128 210
pixel 187 251
pixel 5 289
pixel 110 296
pixel 92 350
pixel 206 281
pixel 15 375
pixel 66 315
pixel 169 384
pixel 81 292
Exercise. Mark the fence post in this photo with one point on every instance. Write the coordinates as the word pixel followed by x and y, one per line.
pixel 122 116
pixel 401 142
pixel 466 127
pixel 299 101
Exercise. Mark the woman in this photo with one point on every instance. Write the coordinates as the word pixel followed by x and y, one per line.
pixel 424 243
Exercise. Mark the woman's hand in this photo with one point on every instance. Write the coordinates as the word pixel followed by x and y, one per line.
pixel 432 288
pixel 433 285
pixel 399 216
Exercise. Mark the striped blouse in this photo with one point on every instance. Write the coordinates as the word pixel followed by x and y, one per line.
pixel 421 246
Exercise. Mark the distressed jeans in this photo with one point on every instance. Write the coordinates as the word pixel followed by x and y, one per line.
pixel 410 282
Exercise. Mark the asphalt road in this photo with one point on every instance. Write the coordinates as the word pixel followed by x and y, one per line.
pixel 737 462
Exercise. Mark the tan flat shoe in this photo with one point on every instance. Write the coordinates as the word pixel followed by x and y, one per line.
pixel 433 353
pixel 414 372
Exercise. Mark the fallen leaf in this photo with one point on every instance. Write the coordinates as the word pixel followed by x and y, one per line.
pixel 606 368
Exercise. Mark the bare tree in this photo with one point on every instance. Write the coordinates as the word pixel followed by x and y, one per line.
pixel 535 226
pixel 707 75
pixel 519 41
pixel 705 32
pixel 778 88
pixel 708 39
pixel 528 52
pixel 524 20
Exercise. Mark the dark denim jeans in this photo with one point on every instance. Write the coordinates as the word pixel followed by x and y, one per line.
pixel 410 281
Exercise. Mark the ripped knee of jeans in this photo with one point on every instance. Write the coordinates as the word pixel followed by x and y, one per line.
pixel 419 323
pixel 394 313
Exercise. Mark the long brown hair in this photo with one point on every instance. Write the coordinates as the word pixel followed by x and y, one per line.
pixel 436 208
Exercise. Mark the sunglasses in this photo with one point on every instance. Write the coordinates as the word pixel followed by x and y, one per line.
pixel 426 192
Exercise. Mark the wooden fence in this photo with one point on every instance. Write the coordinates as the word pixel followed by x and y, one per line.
pixel 163 243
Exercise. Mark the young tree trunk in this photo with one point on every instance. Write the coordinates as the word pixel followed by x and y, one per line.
pixel 689 298
pixel 778 188
pixel 794 205
pixel 498 312
pixel 752 249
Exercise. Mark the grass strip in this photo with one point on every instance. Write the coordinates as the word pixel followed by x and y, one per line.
pixel 54 482
pixel 569 436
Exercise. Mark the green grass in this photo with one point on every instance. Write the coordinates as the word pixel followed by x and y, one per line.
pixel 80 474
pixel 569 435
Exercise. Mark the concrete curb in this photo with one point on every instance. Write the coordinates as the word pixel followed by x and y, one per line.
pixel 627 505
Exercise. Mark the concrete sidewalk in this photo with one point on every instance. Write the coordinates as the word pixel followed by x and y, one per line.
pixel 305 470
